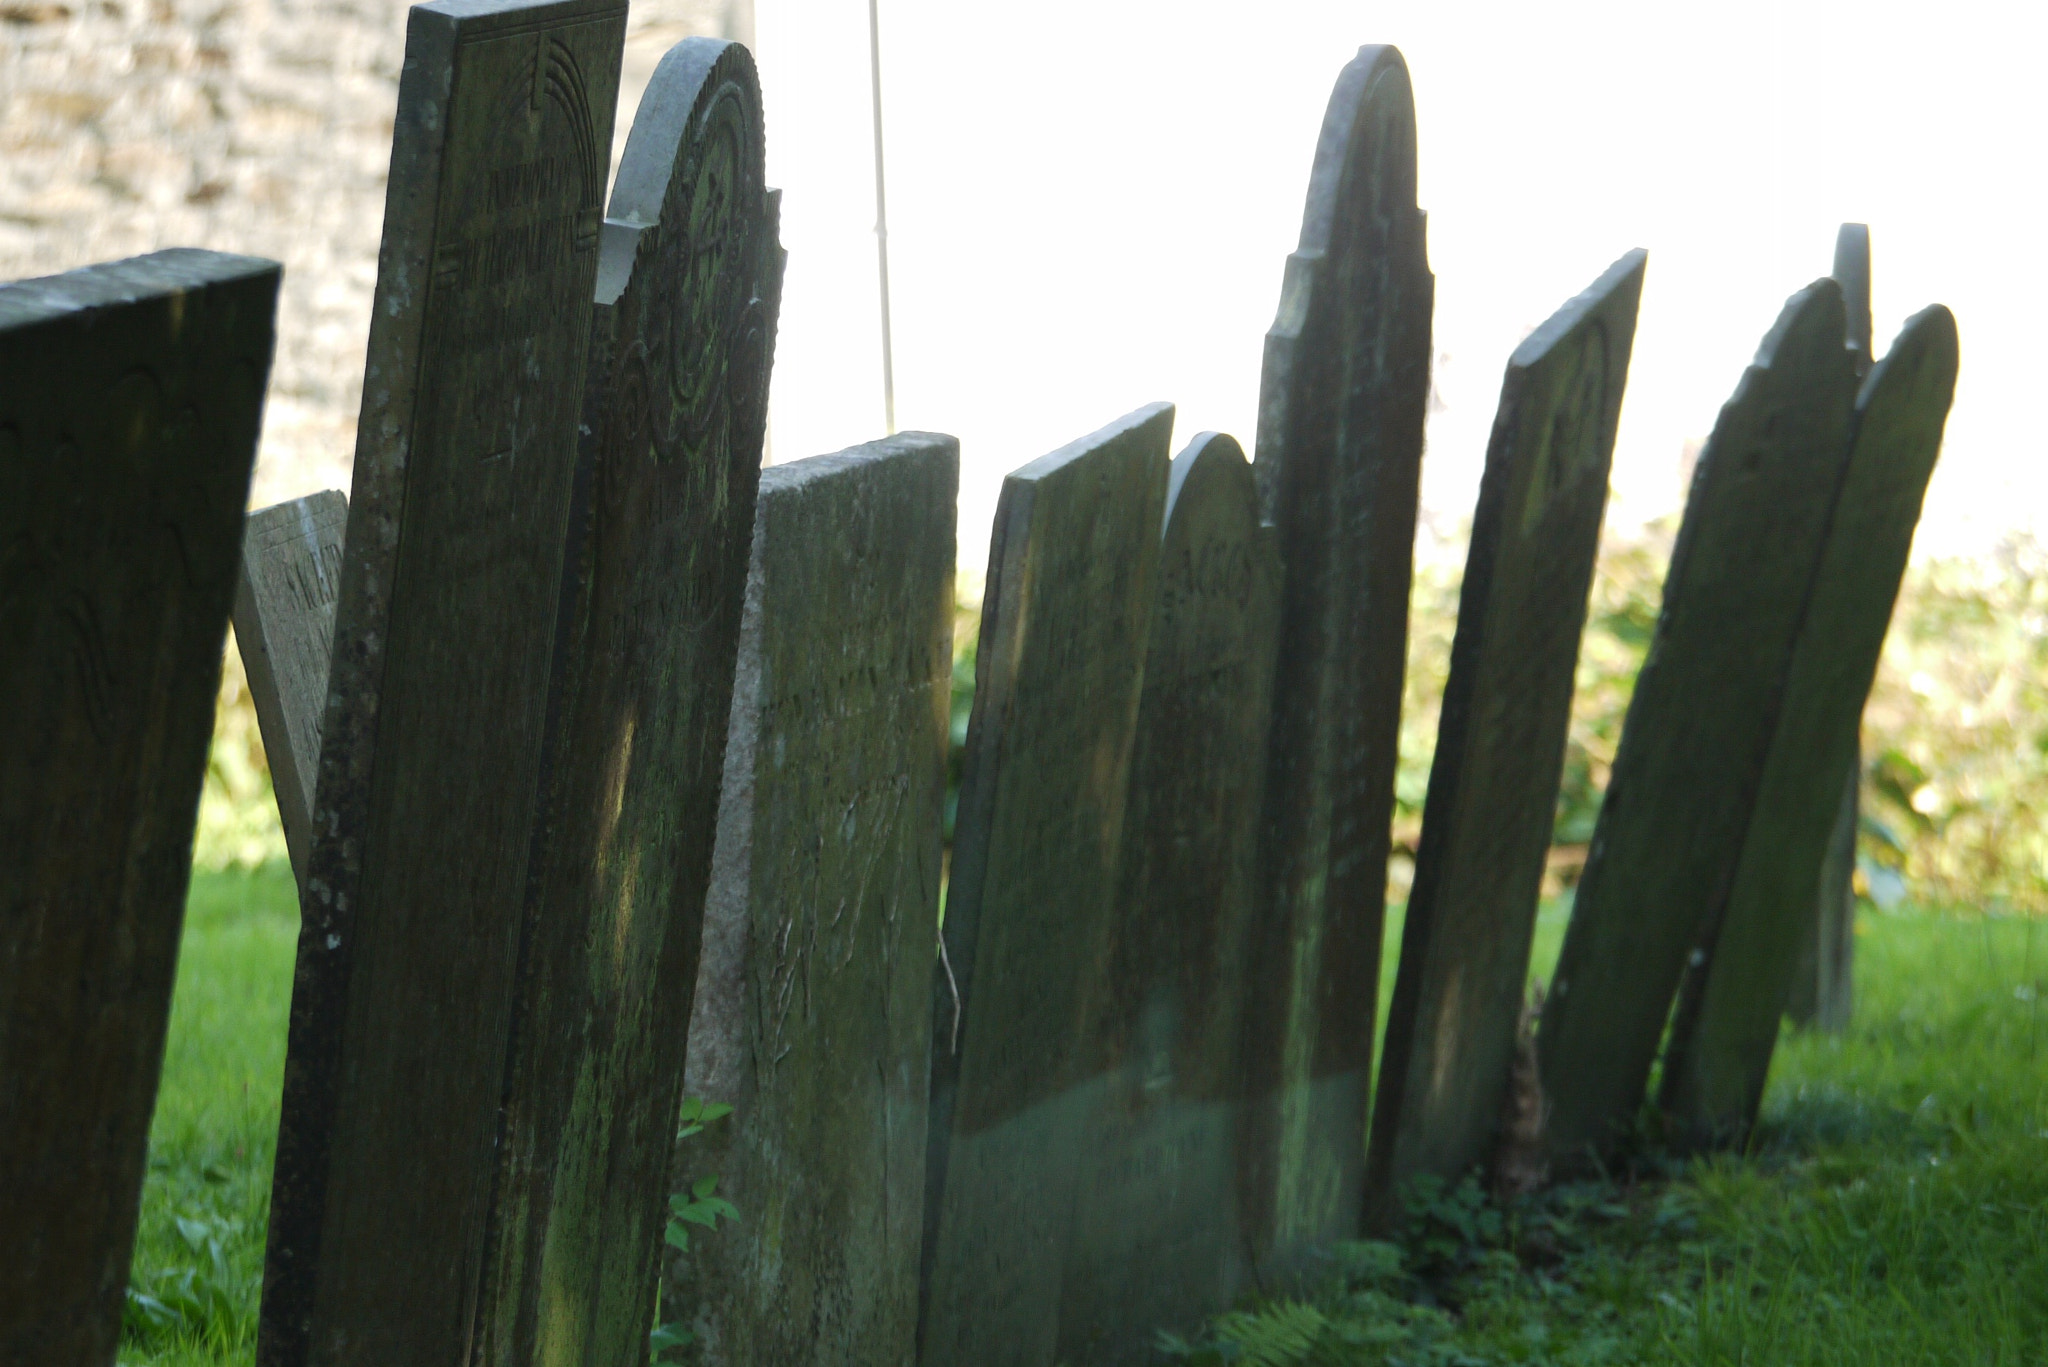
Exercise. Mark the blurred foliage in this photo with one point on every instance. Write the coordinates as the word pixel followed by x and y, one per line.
pixel 238 825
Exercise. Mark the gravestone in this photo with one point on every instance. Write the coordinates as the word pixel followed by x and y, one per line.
pixel 284 624
pixel 813 1010
pixel 1692 749
pixel 1341 406
pixel 1155 1241
pixel 430 745
pixel 1029 906
pixel 1726 1025
pixel 688 288
pixel 1492 804
pixel 128 424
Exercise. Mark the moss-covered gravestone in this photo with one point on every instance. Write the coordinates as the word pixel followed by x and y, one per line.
pixel 688 288
pixel 284 624
pixel 1486 826
pixel 813 1011
pixel 1060 665
pixel 1692 750
pixel 1726 1025
pixel 130 399
pixel 1341 406
pixel 1155 1241
pixel 430 747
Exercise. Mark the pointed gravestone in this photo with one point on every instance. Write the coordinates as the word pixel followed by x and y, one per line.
pixel 813 1011
pixel 128 422
pixel 1032 894
pixel 430 746
pixel 284 625
pixel 1155 1241
pixel 1492 803
pixel 1341 406
pixel 1692 750
pixel 1726 1025
pixel 688 290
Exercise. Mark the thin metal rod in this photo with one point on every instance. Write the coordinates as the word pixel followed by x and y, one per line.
pixel 881 216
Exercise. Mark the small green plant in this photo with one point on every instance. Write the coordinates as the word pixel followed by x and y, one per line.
pixel 702 1206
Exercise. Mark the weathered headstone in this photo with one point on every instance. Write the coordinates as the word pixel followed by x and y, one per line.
pixel 813 1010
pixel 284 624
pixel 1486 826
pixel 688 289
pixel 1155 1241
pixel 1341 407
pixel 1726 1025
pixel 1029 906
pixel 1692 749
pixel 128 419
pixel 431 742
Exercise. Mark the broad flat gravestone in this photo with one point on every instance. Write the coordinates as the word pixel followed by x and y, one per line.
pixel 1155 1241
pixel 1692 750
pixel 1726 1024
pixel 813 1010
pixel 688 287
pixel 284 624
pixel 1341 406
pixel 1060 666
pixel 128 422
pixel 430 745
pixel 1492 803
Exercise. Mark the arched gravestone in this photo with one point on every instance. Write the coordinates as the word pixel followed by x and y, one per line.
pixel 1726 1024
pixel 1692 749
pixel 128 421
pixel 813 1010
pixel 1341 406
pixel 1486 826
pixel 682 335
pixel 1155 1241
pixel 1032 896
pixel 444 633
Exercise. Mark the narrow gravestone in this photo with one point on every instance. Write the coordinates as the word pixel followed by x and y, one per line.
pixel 1726 1025
pixel 1492 802
pixel 430 744
pixel 1029 906
pixel 682 336
pixel 284 624
pixel 1341 407
pixel 1155 1241
pixel 813 1010
pixel 128 423
pixel 1692 749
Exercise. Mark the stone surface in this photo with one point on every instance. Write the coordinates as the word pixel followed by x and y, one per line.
pixel 1341 406
pixel 444 633
pixel 1492 804
pixel 1692 749
pixel 813 1010
pixel 1155 1241
pixel 128 422
pixel 1726 1025
pixel 284 624
pixel 1060 666
pixel 683 333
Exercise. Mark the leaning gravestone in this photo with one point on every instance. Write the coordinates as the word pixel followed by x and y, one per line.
pixel 1492 804
pixel 1341 406
pixel 284 624
pixel 688 287
pixel 1726 1025
pixel 1692 750
pixel 128 422
pixel 430 746
pixel 1155 1241
pixel 1032 894
pixel 813 1010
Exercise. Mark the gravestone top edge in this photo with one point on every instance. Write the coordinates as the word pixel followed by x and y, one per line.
pixel 1203 448
pixel 1054 461
pixel 1575 310
pixel 680 83
pixel 813 469
pixel 1820 294
pixel 113 284
pixel 483 16
pixel 1355 85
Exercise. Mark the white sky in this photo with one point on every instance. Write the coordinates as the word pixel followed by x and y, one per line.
pixel 1090 205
